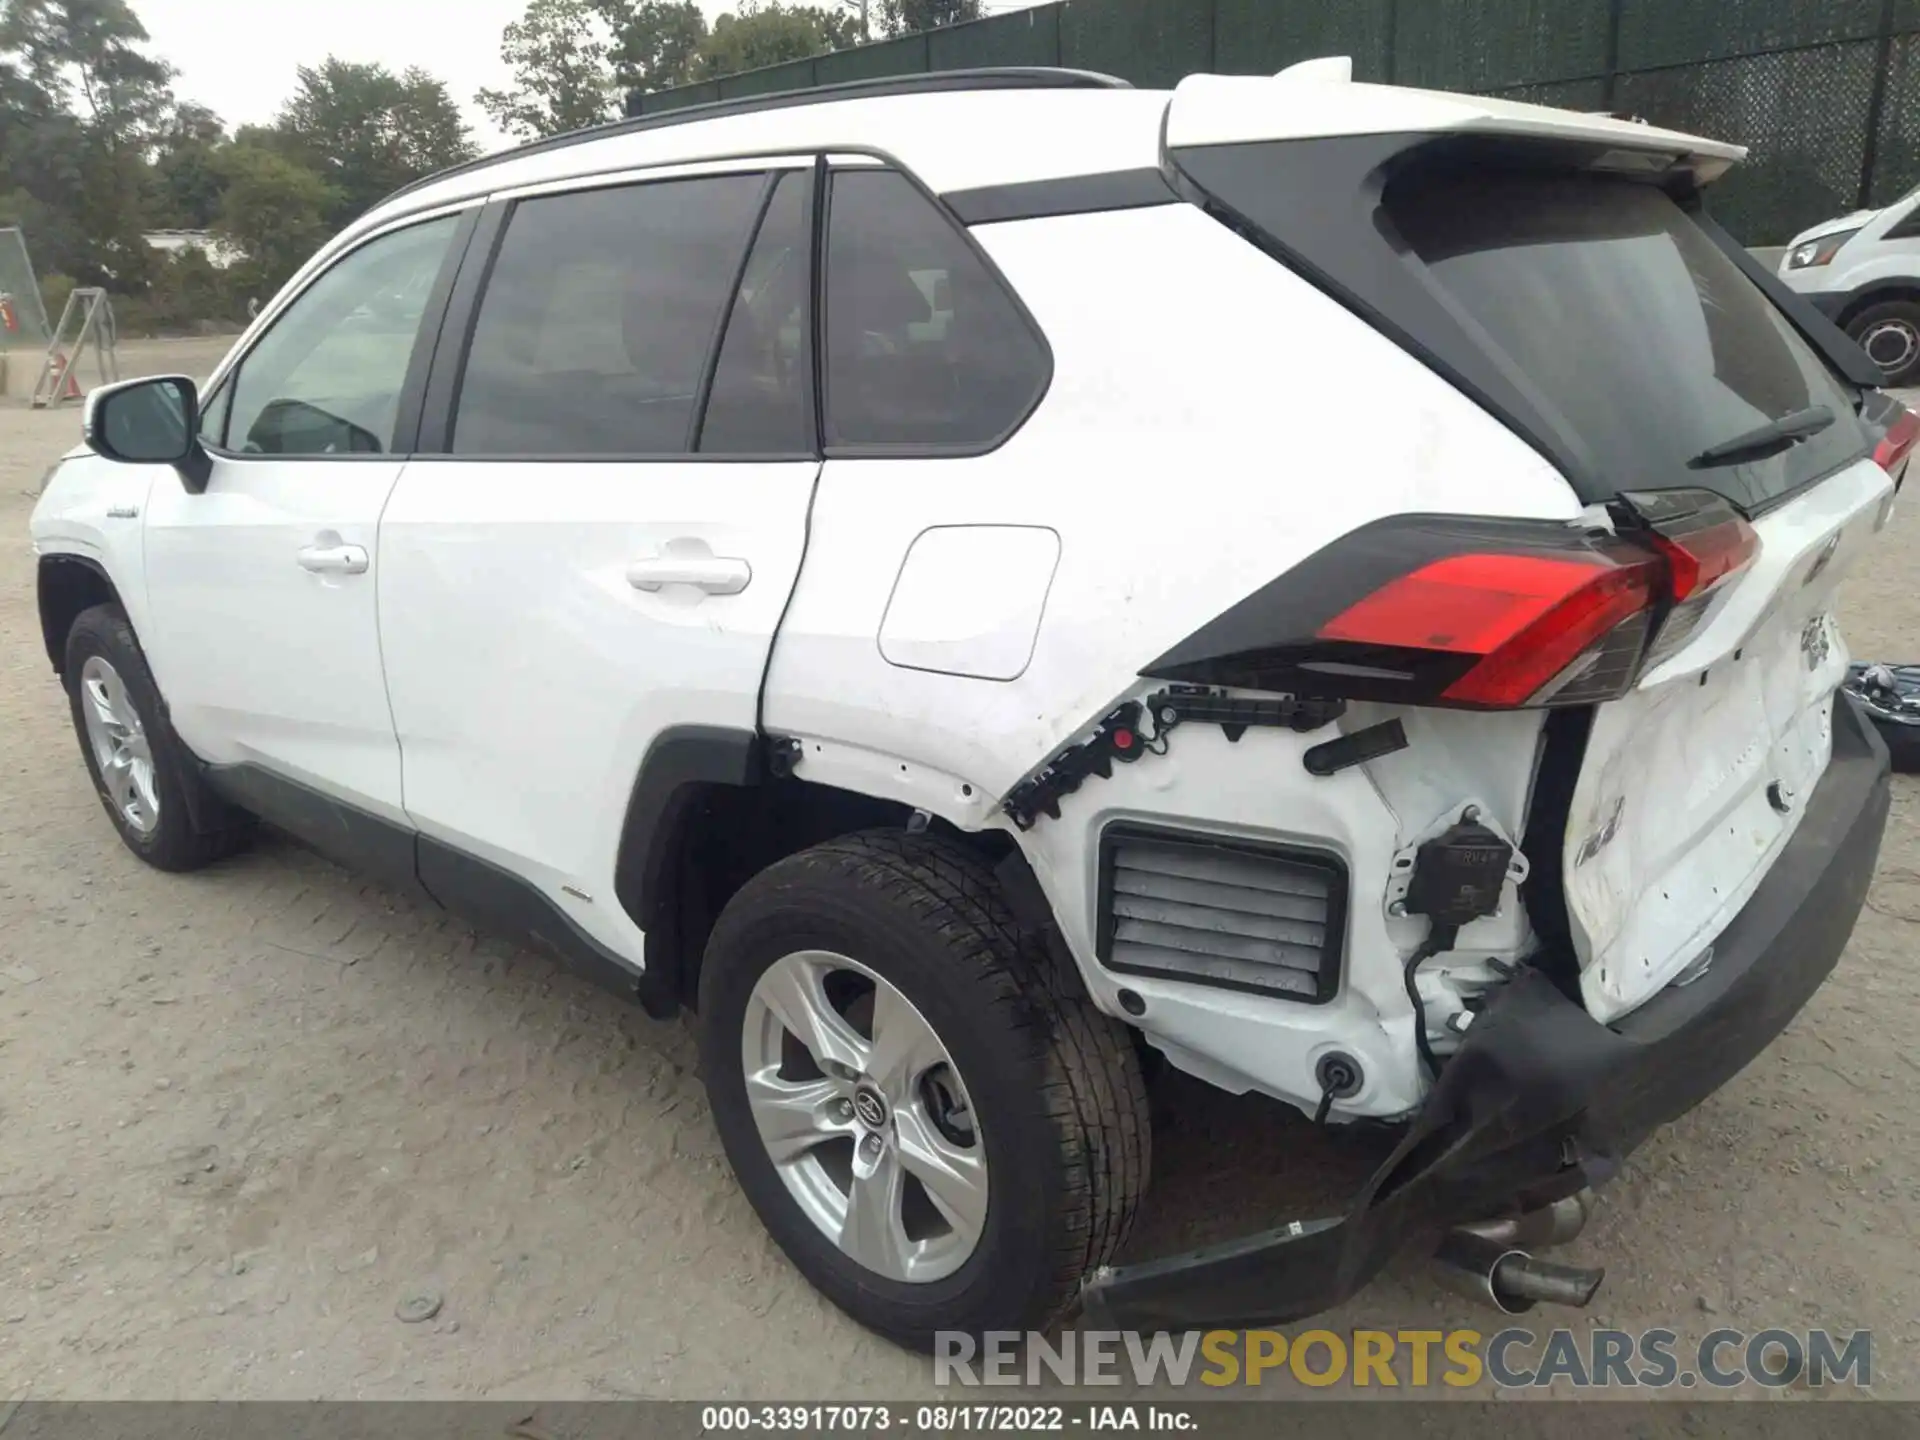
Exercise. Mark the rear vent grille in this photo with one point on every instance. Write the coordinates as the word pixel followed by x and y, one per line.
pixel 1222 912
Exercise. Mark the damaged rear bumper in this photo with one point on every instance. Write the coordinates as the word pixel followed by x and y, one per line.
pixel 1541 1099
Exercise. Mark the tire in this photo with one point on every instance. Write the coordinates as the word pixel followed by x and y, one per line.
pixel 1051 1088
pixel 1890 334
pixel 106 671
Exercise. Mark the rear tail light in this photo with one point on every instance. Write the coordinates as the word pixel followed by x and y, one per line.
pixel 1523 628
pixel 1705 548
pixel 1705 542
pixel 1479 614
pixel 1895 446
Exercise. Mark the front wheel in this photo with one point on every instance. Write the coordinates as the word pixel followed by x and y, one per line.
pixel 1890 334
pixel 940 1132
pixel 142 772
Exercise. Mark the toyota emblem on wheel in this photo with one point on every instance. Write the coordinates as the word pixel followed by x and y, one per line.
pixel 871 1109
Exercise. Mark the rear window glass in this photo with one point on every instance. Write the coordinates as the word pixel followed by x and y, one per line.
pixel 924 347
pixel 1623 321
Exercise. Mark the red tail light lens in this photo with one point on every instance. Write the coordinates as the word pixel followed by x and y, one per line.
pixel 1528 627
pixel 1703 538
pixel 1443 610
pixel 1896 445
pixel 1703 559
pixel 1479 614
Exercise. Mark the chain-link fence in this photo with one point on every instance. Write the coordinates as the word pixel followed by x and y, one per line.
pixel 23 319
pixel 1825 93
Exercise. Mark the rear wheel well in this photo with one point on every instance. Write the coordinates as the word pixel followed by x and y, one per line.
pixel 1879 295
pixel 717 836
pixel 68 585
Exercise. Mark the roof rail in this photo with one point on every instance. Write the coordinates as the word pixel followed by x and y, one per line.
pixel 1003 77
pixel 1011 77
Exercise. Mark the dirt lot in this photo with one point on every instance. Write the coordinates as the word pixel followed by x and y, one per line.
pixel 245 1113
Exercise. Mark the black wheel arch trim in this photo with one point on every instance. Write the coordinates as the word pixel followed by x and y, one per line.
pixel 54 636
pixel 678 765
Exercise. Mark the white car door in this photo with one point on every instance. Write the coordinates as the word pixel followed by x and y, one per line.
pixel 607 544
pixel 261 622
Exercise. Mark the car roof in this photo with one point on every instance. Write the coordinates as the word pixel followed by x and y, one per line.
pixel 955 130
pixel 966 129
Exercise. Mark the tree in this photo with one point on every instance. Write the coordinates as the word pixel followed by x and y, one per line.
pixel 187 180
pixel 769 32
pixel 88 49
pixel 274 212
pixel 80 105
pixel 655 42
pixel 366 131
pixel 561 55
pixel 907 17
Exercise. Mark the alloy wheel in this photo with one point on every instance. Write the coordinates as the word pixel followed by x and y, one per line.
pixel 120 745
pixel 865 1117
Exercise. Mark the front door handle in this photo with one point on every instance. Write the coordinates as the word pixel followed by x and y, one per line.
pixel 333 559
pixel 715 574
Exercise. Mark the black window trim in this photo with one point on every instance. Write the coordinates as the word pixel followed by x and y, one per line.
pixel 460 317
pixel 1097 193
pixel 413 386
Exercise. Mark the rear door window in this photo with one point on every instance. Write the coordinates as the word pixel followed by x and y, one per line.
pixel 1625 323
pixel 925 347
pixel 762 397
pixel 599 316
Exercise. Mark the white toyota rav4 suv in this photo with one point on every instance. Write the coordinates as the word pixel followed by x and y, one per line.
pixel 965 583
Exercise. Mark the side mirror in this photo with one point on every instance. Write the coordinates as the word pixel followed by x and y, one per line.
pixel 155 421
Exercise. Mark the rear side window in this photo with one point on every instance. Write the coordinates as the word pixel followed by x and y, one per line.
pixel 762 399
pixel 598 317
pixel 1627 324
pixel 925 349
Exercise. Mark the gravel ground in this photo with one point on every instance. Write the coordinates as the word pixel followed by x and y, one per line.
pixel 246 1113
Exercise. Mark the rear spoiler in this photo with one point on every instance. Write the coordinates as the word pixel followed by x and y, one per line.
pixel 1318 100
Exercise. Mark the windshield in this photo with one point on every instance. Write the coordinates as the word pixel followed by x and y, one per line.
pixel 1622 320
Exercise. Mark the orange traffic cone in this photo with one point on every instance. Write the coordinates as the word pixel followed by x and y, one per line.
pixel 65 385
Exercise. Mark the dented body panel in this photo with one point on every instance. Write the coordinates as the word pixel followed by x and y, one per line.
pixel 1695 781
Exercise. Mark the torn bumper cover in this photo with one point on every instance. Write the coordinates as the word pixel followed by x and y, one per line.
pixel 1541 1099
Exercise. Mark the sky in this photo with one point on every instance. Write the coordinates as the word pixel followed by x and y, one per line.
pixel 238 57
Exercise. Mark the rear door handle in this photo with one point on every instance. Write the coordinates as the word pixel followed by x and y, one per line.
pixel 715 574
pixel 333 559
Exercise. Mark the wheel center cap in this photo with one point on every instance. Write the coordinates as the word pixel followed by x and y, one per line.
pixel 870 1107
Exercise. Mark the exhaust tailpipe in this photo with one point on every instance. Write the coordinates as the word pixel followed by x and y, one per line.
pixel 1557 1224
pixel 1509 1279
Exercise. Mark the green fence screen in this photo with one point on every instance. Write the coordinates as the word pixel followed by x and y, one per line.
pixel 1824 93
